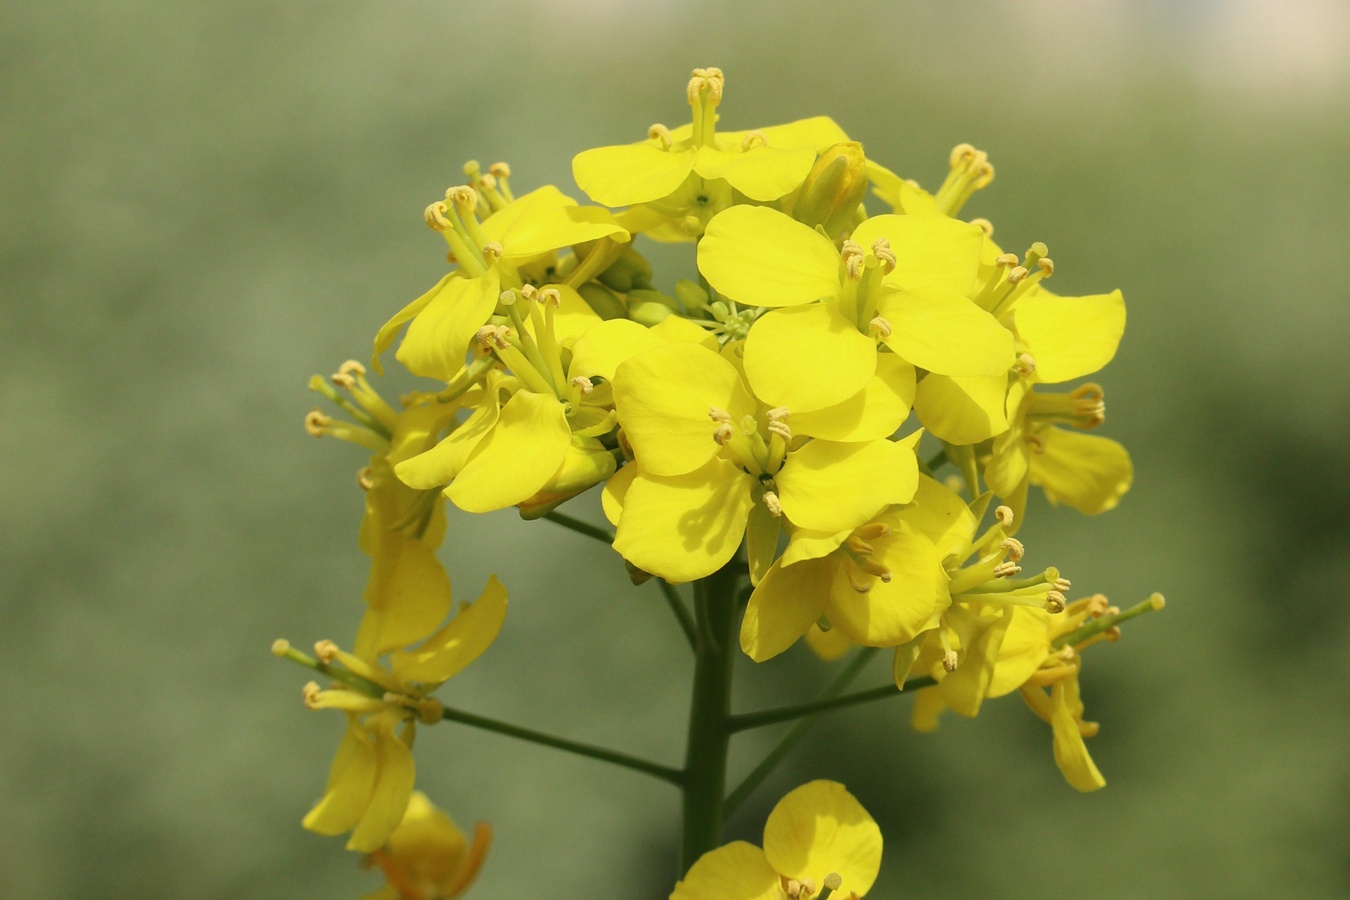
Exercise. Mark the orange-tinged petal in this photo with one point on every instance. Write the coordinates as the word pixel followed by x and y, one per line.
pixel 821 828
pixel 460 642
pixel 761 257
pixel 962 409
pixel 663 398
pixel 631 173
pixel 520 456
pixel 686 526
pixel 437 341
pixel 737 871
pixel 874 412
pixel 807 358
pixel 825 486
pixel 940 330
pixel 930 251
pixel 786 603
pixel 1069 337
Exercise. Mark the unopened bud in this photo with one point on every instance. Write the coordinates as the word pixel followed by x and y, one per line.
pixel 833 189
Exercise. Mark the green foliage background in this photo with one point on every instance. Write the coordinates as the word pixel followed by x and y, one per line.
pixel 206 203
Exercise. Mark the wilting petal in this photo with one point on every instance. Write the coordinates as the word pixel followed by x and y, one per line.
pixel 392 789
pixel 1071 753
pixel 384 338
pixel 349 784
pixel 439 465
pixel 808 357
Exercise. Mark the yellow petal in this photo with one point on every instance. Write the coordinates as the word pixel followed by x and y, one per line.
pixel 928 705
pixel 663 397
pixel 384 338
pixel 825 486
pixel 522 453
pixel 616 489
pixel 761 257
pixel 930 251
pixel 874 412
pixel 807 358
pixel 631 173
pixel 981 637
pixel 761 541
pixel 678 328
pixel 460 642
pixel 1069 337
pixel 903 196
pixel 815 133
pixel 828 645
pixel 761 173
pixel 806 544
pixel 963 409
pixel 1087 472
pixel 349 784
pixel 686 526
pixel 1025 646
pixel 438 340
pixel 601 349
pixel 940 330
pixel 786 603
pixel 891 613
pixel 392 790
pixel 1010 459
pixel 820 828
pixel 439 465
pixel 1071 753
pixel 573 318
pixel 941 516
pixel 407 595
pixel 547 219
pixel 737 871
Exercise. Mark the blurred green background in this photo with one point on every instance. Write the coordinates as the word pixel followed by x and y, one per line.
pixel 204 204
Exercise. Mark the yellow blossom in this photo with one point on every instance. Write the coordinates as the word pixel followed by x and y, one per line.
pixel 427 857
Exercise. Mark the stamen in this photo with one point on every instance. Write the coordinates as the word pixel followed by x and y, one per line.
pixel 1025 365
pixel 463 196
pixel 1007 260
pixel 1014 548
pixel 984 225
pixel 1034 441
pixel 659 132
pixel 852 255
pixel 352 367
pixel 493 337
pixel 859 546
pixel 718 415
pixel 527 291
pixel 488 182
pixel 872 530
pixel 549 297
pixel 500 170
pixel 1017 274
pixel 316 423
pixel 435 217
pixel 1004 514
pixel 723 434
pixel 710 80
pixel 875 569
pixel 310 693
pixel 1006 570
pixel 1054 602
pixel 771 501
pixel 583 384
pixel 881 249
pixel 856 580
pixel 882 326
pixel 1046 265
pixel 754 139
pixel 949 660
pixel 493 251
pixel 326 651
pixel 1061 584
pixel 778 422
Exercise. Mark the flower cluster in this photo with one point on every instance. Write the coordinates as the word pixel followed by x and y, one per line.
pixel 786 410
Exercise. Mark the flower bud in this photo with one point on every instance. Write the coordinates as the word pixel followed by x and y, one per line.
pixel 650 307
pixel 602 301
pixel 630 271
pixel 833 189
pixel 586 464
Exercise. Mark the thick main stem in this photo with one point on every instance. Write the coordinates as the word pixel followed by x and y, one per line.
pixel 705 769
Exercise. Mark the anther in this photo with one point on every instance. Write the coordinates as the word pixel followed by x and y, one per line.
pixel 364 479
pixel 463 196
pixel 1054 602
pixel 949 660
pixel 872 530
pixel 493 251
pixel 984 225
pixel 1004 514
pixel 773 504
pixel 527 291
pixel 1097 605
pixel 492 337
pixel 723 433
pixel 1017 274
pixel 310 692
pixel 1046 265
pixel 882 326
pixel 316 423
pixel 326 651
pixel 659 132
pixel 583 384
pixel 961 153
pixel 1067 653
pixel 1007 260
pixel 754 139
pixel 396 699
pixel 709 79
pixel 1061 584
pixel 352 367
pixel 500 170
pixel 488 182
pixel 718 415
pixel 1034 442
pixel 881 249
pixel 343 380
pixel 858 545
pixel 434 215
pixel 1006 569
pixel 778 425
pixel 549 297
pixel 1014 548
pixel 852 255
pixel 1025 365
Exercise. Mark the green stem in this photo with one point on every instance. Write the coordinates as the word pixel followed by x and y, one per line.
pixel 787 713
pixel 938 461
pixel 794 737
pixel 665 773
pixel 681 612
pixel 705 769
pixel 580 527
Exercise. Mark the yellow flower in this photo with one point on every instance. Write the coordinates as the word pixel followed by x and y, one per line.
pixel 710 459
pixel 819 844
pixel 898 280
pixel 445 320
pixel 427 857
pixel 679 178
